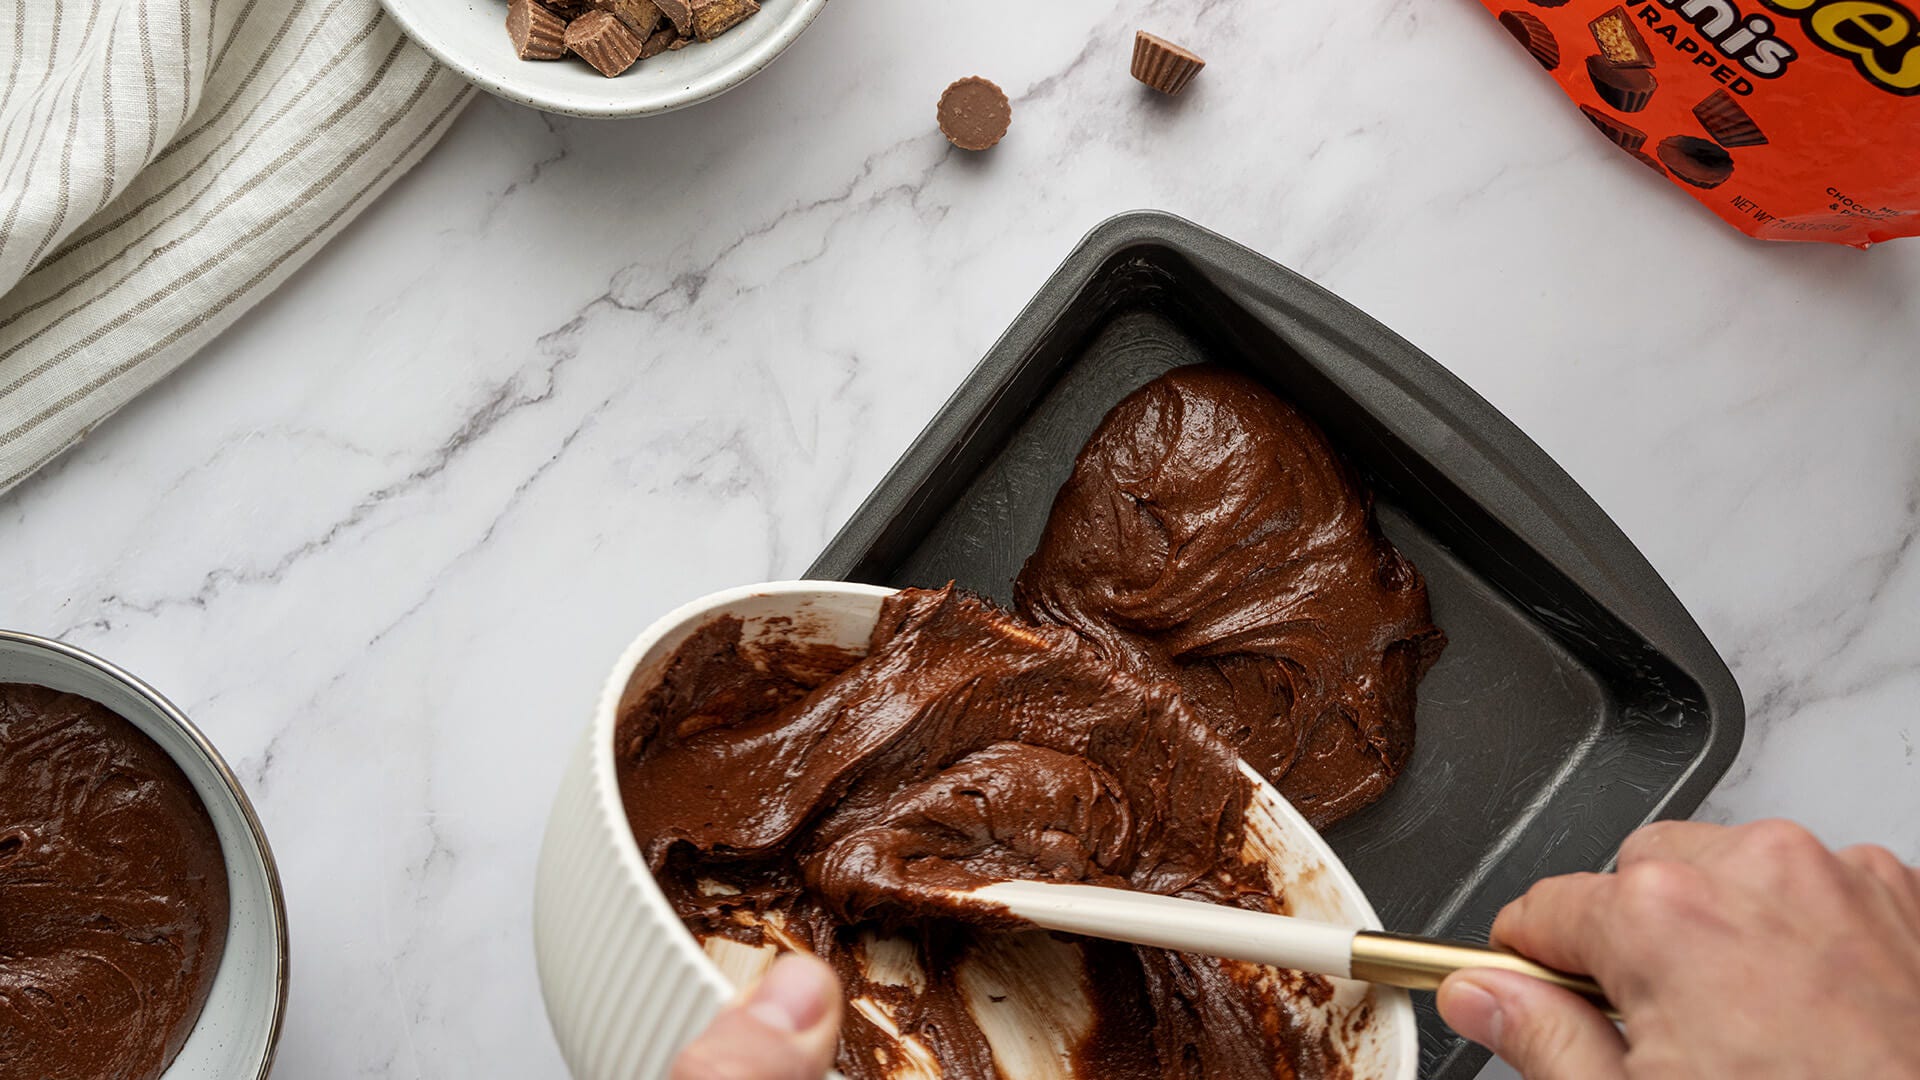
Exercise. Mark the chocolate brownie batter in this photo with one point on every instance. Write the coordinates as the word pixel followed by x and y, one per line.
pixel 1210 536
pixel 113 894
pixel 966 747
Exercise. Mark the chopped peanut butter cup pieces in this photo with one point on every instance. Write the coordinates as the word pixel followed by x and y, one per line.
pixel 711 18
pixel 613 35
pixel 660 41
pixel 639 16
pixel 680 13
pixel 604 41
pixel 537 34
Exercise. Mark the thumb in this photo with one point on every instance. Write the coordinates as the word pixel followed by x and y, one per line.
pixel 785 1028
pixel 1543 1031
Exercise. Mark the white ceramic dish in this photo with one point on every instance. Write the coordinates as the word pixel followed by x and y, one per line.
pixel 626 984
pixel 238 1029
pixel 470 36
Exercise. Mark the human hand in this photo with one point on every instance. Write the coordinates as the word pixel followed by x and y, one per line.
pixel 1750 951
pixel 784 1028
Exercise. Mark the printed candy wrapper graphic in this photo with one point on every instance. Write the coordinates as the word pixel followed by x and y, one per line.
pixel 1791 119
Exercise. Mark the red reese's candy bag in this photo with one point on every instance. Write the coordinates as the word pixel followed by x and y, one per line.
pixel 1792 119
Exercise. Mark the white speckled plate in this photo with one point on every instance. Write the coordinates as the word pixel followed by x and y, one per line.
pixel 470 36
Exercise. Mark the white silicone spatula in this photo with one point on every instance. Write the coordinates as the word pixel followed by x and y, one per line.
pixel 1282 941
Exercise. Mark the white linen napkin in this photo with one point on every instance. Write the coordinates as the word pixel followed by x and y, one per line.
pixel 163 165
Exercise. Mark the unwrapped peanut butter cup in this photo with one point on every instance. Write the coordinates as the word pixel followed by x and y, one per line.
pixel 974 113
pixel 1163 65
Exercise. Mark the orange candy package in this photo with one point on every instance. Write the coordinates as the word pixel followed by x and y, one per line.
pixel 1792 119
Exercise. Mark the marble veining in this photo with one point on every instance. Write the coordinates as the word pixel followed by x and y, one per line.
pixel 383 539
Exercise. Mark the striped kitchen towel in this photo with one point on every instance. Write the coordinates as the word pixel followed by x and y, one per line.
pixel 163 165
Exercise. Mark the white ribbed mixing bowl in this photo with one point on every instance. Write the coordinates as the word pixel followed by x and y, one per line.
pixel 627 985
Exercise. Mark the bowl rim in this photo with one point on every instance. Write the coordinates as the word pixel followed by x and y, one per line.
pixel 277 908
pixel 748 64
pixel 605 783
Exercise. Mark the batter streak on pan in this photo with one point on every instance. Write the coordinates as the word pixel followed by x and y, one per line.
pixel 113 894
pixel 967 747
pixel 1210 536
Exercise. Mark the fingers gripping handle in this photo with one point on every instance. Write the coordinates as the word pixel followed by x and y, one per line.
pixel 1421 964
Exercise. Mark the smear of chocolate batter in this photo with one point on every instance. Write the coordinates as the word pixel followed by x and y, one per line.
pixel 1210 536
pixel 966 747
pixel 113 894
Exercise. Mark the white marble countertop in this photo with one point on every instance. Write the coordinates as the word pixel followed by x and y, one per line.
pixel 384 538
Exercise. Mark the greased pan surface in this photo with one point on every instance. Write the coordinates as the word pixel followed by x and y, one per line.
pixel 1576 699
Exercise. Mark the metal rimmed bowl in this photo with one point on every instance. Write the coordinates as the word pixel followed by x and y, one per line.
pixel 626 984
pixel 470 36
pixel 238 1028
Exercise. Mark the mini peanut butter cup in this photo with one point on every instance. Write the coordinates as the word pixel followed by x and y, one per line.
pixel 1163 65
pixel 1728 123
pixel 1626 89
pixel 1528 29
pixel 1700 162
pixel 974 114
pixel 1623 135
pixel 1620 40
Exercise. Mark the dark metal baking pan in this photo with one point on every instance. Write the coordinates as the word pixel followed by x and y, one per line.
pixel 1576 700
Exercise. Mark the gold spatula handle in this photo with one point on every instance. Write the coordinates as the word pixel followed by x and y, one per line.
pixel 1418 963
